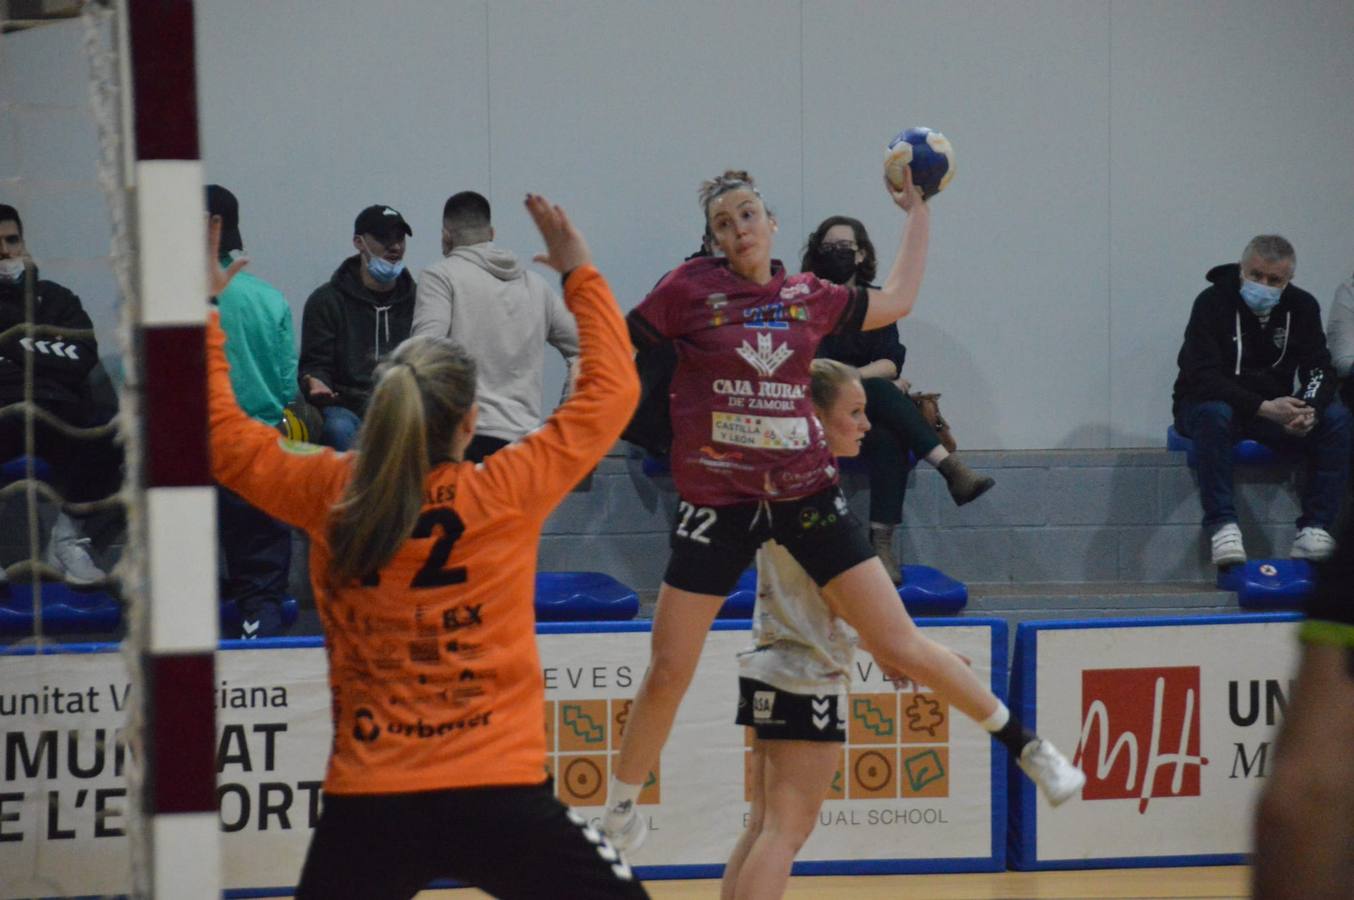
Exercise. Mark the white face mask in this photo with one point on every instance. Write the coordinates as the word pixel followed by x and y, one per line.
pixel 11 270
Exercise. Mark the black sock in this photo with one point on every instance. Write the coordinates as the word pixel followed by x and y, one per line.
pixel 1014 736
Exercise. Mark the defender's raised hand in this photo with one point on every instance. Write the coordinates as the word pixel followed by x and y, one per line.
pixel 565 249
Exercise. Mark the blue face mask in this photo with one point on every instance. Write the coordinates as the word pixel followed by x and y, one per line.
pixel 383 270
pixel 1261 298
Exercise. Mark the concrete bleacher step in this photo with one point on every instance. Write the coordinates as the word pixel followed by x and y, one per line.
pixel 1036 601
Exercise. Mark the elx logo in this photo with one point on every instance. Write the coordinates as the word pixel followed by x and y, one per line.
pixel 1127 717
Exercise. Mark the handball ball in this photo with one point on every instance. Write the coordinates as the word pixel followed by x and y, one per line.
pixel 928 153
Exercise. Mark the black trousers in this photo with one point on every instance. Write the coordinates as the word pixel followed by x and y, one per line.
pixel 512 842
pixel 896 427
pixel 82 469
pixel 481 445
pixel 256 550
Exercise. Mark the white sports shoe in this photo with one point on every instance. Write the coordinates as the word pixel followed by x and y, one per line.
pixel 1228 550
pixel 625 828
pixel 1313 543
pixel 1053 772
pixel 68 552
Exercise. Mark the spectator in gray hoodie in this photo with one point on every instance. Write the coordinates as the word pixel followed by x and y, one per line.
pixel 482 297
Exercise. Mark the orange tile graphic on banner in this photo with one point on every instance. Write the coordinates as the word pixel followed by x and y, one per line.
pixel 872 719
pixel 925 719
pixel 582 779
pixel 924 771
pixel 872 773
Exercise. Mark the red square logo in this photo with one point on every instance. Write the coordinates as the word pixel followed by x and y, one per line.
pixel 1140 734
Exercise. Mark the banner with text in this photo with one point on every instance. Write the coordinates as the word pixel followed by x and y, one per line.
pixel 914 791
pixel 1173 722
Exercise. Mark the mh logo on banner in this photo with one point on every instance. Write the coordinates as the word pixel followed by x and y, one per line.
pixel 1140 734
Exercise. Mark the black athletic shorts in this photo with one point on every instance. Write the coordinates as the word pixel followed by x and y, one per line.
pixel 508 841
pixel 713 545
pixel 777 715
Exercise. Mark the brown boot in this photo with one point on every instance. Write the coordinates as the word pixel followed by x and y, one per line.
pixel 965 484
pixel 881 538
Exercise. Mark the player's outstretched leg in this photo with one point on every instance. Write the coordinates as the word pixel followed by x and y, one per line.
pixel 864 597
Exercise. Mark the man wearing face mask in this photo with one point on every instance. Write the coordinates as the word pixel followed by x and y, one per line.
pixel 1254 364
pixel 62 351
pixel 363 312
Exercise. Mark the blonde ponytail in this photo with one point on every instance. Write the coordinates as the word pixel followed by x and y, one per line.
pixel 422 392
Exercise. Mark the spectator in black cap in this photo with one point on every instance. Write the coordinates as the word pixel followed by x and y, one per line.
pixel 355 318
pixel 261 347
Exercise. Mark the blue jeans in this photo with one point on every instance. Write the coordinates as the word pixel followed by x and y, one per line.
pixel 1214 428
pixel 340 427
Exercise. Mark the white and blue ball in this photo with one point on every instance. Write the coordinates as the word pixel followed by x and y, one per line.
pixel 928 153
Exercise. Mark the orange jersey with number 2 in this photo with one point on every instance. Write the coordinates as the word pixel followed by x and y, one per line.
pixel 434 670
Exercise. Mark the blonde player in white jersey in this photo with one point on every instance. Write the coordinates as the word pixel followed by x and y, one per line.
pixel 793 684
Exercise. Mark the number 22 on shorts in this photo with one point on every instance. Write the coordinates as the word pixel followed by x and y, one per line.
pixel 702 517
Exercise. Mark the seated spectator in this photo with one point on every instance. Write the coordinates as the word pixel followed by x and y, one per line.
pixel 840 250
pixel 261 348
pixel 1340 335
pixel 63 350
pixel 355 318
pixel 1252 335
pixel 480 295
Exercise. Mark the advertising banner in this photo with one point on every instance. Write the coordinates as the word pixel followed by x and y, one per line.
pixel 914 792
pixel 1173 722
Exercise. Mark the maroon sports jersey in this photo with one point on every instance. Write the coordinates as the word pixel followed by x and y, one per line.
pixel 742 418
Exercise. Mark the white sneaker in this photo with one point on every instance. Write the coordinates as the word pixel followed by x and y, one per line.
pixel 1313 543
pixel 1053 772
pixel 625 827
pixel 68 552
pixel 1228 550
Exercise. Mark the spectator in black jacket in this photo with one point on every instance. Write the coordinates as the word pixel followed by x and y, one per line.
pixel 1254 364
pixel 362 313
pixel 58 338
pixel 840 250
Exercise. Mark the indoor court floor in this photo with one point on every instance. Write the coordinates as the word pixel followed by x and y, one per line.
pixel 1213 882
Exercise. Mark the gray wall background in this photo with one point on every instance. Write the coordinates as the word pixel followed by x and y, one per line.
pixel 1109 152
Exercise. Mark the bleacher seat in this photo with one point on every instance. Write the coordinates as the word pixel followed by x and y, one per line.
pixel 656 466
pixel 583 597
pixel 1246 452
pixel 925 592
pixel 230 616
pixel 930 592
pixel 64 610
pixel 739 603
pixel 1268 583
pixel 12 470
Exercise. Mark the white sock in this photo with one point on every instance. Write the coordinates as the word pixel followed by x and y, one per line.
pixel 619 791
pixel 997 721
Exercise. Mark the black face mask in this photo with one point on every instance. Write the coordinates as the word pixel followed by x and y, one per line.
pixel 836 265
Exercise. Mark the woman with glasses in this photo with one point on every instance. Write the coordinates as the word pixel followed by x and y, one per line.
pixel 840 251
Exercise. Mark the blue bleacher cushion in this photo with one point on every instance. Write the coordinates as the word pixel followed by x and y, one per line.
pixel 230 616
pixel 1246 453
pixel 583 597
pixel 739 603
pixel 1268 583
pixel 656 466
pixel 64 609
pixel 17 468
pixel 927 591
